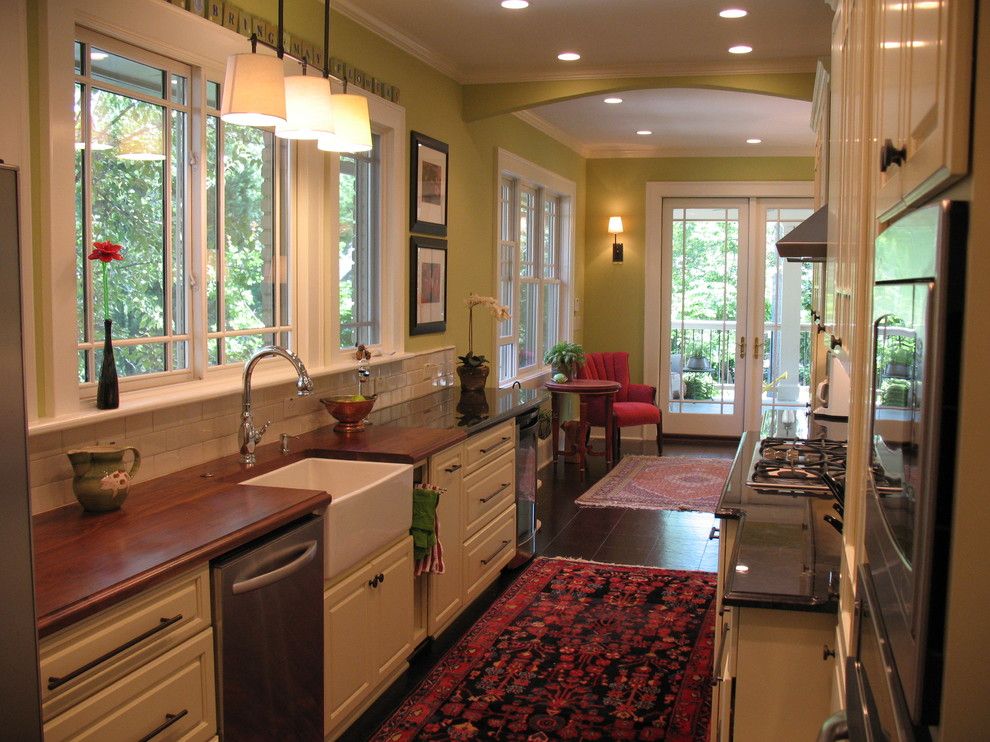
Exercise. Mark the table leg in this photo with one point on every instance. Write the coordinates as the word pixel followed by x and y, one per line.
pixel 609 432
pixel 555 426
pixel 582 449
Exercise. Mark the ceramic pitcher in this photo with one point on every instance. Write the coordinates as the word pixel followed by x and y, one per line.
pixel 101 479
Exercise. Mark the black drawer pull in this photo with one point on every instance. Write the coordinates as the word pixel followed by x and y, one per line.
pixel 502 440
pixel 497 551
pixel 714 533
pixel 164 623
pixel 170 719
pixel 452 469
pixel 499 491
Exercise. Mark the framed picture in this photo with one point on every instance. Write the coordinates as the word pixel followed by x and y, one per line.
pixel 428 185
pixel 427 285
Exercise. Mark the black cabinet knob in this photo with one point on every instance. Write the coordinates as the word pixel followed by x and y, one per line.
pixel 891 155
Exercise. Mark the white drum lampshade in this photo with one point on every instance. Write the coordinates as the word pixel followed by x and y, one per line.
pixel 253 91
pixel 309 108
pixel 614 225
pixel 352 125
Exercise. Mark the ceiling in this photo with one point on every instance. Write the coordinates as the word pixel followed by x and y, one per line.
pixel 477 41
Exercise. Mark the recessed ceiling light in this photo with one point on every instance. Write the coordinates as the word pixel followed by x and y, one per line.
pixel 740 49
pixel 515 4
pixel 613 101
pixel 733 13
pixel 568 56
pixel 644 132
pixel 754 141
pixel 98 56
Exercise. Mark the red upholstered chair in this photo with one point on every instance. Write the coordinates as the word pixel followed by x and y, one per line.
pixel 635 404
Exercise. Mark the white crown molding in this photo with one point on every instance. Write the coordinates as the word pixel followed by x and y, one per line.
pixel 670 69
pixel 352 10
pixel 554 132
pixel 603 152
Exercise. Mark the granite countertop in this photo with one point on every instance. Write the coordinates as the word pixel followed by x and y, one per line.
pixel 784 555
pixel 86 562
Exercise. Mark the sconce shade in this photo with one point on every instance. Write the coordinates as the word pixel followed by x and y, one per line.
pixel 352 125
pixel 308 108
pixel 615 225
pixel 253 91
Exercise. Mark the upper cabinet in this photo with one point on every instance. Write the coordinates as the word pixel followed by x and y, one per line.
pixel 924 58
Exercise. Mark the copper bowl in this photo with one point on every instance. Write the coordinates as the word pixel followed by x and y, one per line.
pixel 349 413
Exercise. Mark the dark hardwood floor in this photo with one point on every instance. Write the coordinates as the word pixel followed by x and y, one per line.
pixel 671 540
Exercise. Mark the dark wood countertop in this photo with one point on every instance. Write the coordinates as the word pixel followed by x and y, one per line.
pixel 85 562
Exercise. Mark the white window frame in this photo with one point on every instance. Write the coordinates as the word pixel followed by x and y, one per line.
pixel 388 121
pixel 546 183
pixel 169 31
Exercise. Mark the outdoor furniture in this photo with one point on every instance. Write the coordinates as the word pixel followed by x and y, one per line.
pixel 634 404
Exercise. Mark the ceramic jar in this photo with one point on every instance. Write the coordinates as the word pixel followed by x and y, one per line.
pixel 101 479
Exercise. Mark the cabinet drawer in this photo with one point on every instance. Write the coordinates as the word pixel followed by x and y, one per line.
pixel 87 656
pixel 488 552
pixel 172 694
pixel 487 446
pixel 488 491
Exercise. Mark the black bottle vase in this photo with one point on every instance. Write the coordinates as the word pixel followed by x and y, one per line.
pixel 108 393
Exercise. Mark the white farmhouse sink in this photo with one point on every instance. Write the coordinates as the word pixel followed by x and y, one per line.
pixel 371 504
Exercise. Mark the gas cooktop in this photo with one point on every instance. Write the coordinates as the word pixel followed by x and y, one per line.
pixel 797 466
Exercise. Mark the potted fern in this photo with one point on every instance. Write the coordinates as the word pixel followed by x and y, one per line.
pixel 564 358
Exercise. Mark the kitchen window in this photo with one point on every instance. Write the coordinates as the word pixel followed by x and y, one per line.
pixel 534 257
pixel 138 183
pixel 359 248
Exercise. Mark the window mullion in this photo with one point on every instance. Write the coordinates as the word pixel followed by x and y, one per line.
pixel 168 324
pixel 221 240
pixel 89 329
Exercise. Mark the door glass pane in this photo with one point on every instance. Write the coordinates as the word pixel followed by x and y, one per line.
pixel 787 329
pixel 704 273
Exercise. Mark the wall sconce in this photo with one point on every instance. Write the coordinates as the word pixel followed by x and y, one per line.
pixel 614 229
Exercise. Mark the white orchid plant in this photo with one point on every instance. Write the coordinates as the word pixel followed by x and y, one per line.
pixel 498 311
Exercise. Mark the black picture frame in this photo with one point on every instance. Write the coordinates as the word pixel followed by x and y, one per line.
pixel 427 285
pixel 428 170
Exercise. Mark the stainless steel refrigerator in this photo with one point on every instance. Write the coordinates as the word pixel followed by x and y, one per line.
pixel 20 708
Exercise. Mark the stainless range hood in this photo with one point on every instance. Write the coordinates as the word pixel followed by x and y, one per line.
pixel 806 242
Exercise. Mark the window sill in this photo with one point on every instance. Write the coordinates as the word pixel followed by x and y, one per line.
pixel 267 374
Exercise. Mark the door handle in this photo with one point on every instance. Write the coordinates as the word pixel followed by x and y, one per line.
pixel 452 469
pixel 742 346
pixel 268 578
pixel 757 343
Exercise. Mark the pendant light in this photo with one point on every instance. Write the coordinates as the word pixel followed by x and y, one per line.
pixel 253 86
pixel 307 107
pixel 351 122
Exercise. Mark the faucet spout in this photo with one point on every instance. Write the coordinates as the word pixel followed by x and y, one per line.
pixel 248 435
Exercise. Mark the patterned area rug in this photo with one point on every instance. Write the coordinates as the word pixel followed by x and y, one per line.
pixel 660 483
pixel 578 651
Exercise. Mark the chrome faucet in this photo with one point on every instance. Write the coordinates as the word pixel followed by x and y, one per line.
pixel 247 435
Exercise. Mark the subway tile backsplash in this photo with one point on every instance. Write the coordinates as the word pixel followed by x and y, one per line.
pixel 175 438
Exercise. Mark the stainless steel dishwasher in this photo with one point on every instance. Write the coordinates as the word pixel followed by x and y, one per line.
pixel 268 610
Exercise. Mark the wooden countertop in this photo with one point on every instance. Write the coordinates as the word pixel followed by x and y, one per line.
pixel 85 562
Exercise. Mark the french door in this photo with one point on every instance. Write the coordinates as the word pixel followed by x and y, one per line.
pixel 735 333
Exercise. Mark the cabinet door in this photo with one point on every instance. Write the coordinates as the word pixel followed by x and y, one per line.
pixel 349 641
pixel 891 32
pixel 446 591
pixel 392 609
pixel 938 50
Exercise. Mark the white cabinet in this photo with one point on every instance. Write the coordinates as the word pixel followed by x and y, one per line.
pixel 924 58
pixel 477 516
pixel 141 665
pixel 446 591
pixel 368 630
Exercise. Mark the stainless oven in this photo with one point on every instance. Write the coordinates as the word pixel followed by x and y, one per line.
pixel 917 334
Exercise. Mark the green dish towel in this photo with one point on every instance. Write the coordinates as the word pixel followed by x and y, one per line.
pixel 424 519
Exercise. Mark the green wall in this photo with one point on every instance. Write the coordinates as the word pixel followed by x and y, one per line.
pixel 433 104
pixel 614 293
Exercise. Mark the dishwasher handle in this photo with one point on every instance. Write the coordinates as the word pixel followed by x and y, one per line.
pixel 268 578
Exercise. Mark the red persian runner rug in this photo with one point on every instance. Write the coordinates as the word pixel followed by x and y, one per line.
pixel 660 483
pixel 575 651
